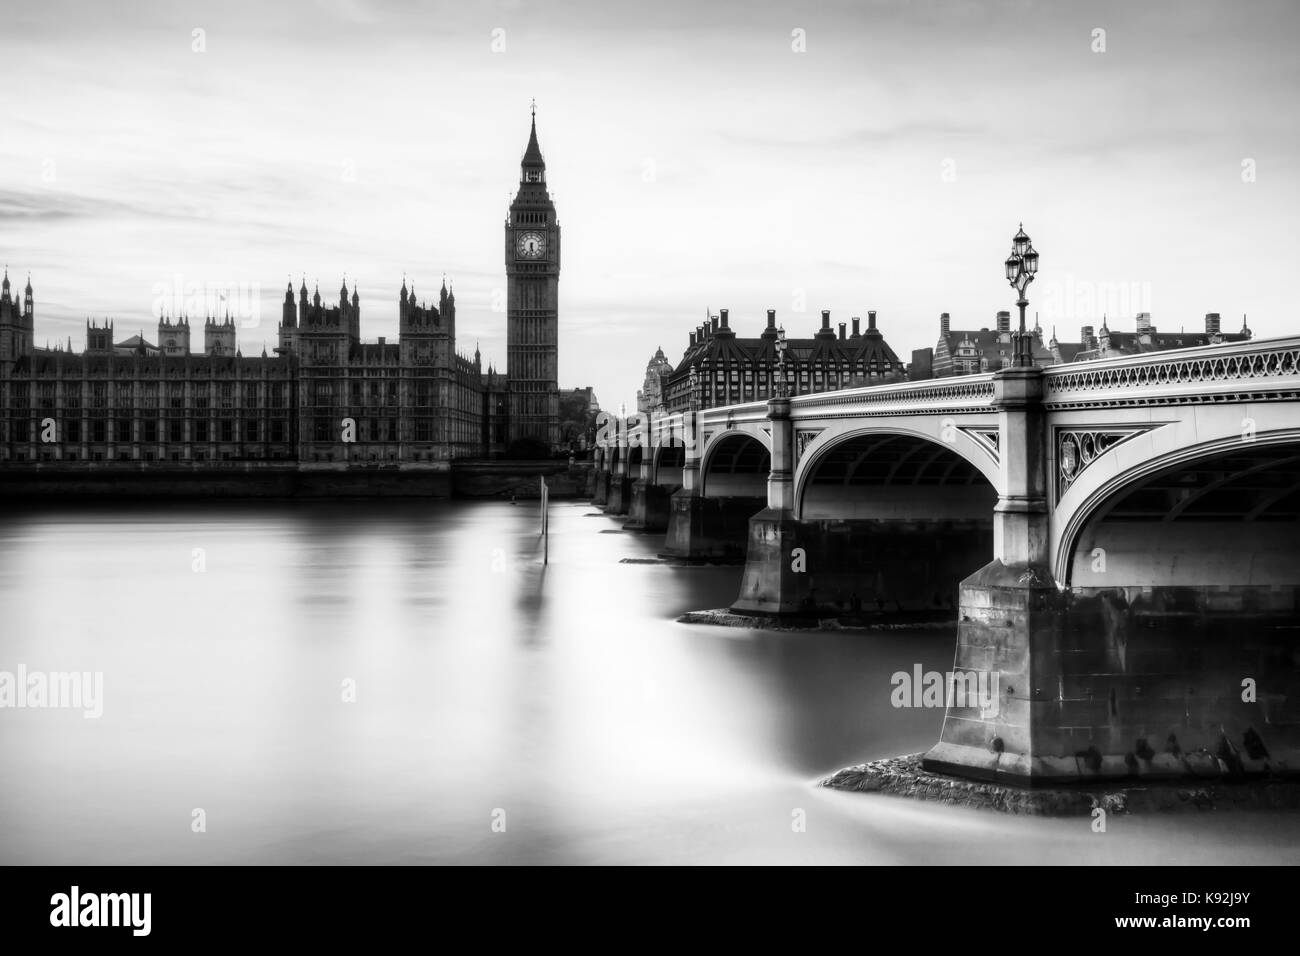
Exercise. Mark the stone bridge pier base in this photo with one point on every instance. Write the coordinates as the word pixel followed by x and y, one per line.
pixel 619 497
pixel 650 507
pixel 1011 628
pixel 600 491
pixel 708 528
pixel 856 568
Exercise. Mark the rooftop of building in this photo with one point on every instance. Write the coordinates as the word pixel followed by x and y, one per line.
pixel 716 343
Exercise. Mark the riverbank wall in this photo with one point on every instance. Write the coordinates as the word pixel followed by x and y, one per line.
pixel 148 480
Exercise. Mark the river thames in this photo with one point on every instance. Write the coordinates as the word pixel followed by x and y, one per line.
pixel 404 682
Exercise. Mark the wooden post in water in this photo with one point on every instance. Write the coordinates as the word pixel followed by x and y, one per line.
pixel 546 530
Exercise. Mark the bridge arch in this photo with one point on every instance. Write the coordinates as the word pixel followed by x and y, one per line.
pixel 1219 513
pixel 668 463
pixel 1157 452
pixel 889 473
pixel 635 454
pixel 735 464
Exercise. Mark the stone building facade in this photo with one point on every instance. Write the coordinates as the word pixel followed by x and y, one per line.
pixel 730 370
pixel 324 398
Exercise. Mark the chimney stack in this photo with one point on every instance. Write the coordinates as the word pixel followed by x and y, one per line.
pixel 1212 323
pixel 723 313
pixel 1004 321
pixel 871 321
pixel 826 320
pixel 1086 339
pixel 856 330
pixel 841 331
pixel 713 323
pixel 771 318
pixel 943 324
pixel 1144 321
pixel 692 339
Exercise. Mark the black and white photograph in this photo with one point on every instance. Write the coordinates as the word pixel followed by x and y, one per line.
pixel 585 434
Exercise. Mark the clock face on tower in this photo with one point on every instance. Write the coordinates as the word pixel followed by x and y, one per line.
pixel 530 245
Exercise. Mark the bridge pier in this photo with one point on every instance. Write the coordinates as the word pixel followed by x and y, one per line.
pixel 708 528
pixel 618 495
pixel 648 503
pixel 1012 625
pixel 1012 615
pixel 855 567
pixel 651 504
pixel 1133 682
pixel 600 491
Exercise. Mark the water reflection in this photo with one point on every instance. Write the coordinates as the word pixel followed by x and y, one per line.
pixel 564 695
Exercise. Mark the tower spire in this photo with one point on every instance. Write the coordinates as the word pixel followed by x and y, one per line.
pixel 533 164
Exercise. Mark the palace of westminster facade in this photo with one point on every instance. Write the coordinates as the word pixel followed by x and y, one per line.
pixel 324 396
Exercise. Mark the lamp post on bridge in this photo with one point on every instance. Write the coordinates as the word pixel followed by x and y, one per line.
pixel 1021 267
pixel 782 386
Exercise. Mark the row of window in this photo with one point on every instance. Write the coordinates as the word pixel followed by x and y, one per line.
pixel 197 454
pixel 770 372
pixel 123 430
pixel 167 370
pixel 274 454
pixel 148 393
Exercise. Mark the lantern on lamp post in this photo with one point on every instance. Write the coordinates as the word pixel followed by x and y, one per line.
pixel 782 385
pixel 1022 266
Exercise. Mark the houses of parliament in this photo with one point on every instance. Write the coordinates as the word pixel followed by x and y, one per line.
pixel 324 398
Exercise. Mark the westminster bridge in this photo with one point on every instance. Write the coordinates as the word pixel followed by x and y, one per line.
pixel 1121 539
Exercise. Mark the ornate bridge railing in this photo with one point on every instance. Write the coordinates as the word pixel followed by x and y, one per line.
pixel 965 394
pixel 1266 370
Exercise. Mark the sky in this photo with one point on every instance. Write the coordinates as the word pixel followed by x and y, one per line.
pixel 798 156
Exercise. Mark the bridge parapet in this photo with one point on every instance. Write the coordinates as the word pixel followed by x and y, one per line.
pixel 1240 372
pixel 968 393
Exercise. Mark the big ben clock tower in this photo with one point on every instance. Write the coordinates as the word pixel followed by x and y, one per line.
pixel 532 304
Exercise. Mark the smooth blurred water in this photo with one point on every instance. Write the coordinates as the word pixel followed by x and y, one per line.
pixel 565 696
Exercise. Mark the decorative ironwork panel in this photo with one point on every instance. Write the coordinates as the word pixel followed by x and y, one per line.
pixel 1077 448
pixel 801 439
